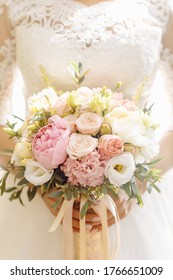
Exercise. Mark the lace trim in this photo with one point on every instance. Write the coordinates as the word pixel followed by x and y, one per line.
pixel 167 56
pixel 7 65
pixel 166 66
pixel 87 26
pixel 161 10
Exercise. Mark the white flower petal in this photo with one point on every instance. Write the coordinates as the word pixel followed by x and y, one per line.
pixel 36 174
pixel 119 178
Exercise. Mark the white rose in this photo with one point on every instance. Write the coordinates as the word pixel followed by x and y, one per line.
pixel 120 169
pixel 80 145
pixel 85 95
pixel 130 129
pixel 42 100
pixel 89 123
pixel 36 174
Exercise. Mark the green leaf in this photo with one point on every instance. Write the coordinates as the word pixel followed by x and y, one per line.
pixel 83 190
pixel 104 189
pixel 80 68
pixel 156 188
pixel 31 192
pixel 154 161
pixel 149 187
pixel 137 193
pixel 84 209
pixel 3 183
pixel 16 117
pixel 68 194
pixel 19 175
pixel 56 194
pixel 10 189
pixel 21 202
pixel 127 188
pixel 22 182
pixel 55 205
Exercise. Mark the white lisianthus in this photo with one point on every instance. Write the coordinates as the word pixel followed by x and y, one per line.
pixel 22 153
pixel 130 129
pixel 36 174
pixel 42 100
pixel 120 169
pixel 152 148
pixel 80 145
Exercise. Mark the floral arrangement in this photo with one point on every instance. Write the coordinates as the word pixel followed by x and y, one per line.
pixel 82 143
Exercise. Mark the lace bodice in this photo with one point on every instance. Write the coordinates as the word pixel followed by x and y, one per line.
pixel 118 40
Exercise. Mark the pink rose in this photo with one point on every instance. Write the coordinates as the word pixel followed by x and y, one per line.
pixel 50 143
pixel 110 146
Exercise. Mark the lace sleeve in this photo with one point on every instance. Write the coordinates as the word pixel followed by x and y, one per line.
pixel 167 65
pixel 7 62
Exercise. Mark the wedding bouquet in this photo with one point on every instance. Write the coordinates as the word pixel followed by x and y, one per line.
pixel 82 145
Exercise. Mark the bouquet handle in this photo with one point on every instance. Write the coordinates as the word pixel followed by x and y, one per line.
pixel 65 214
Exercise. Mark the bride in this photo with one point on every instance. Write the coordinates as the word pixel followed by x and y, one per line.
pixel 120 41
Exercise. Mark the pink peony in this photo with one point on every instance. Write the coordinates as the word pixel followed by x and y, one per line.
pixel 110 146
pixel 50 143
pixel 89 171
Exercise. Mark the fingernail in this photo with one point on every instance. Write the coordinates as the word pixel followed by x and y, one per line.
pixel 89 227
pixel 95 219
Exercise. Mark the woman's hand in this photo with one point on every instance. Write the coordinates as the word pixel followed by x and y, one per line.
pixel 93 221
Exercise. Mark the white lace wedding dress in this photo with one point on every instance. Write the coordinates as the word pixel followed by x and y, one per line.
pixel 118 40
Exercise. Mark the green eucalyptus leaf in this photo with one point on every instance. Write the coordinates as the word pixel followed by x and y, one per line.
pixel 57 202
pixel 21 202
pixel 84 209
pixel 68 194
pixel 127 188
pixel 3 183
pixel 136 192
pixel 80 68
pixel 31 192
pixel 156 188
pixel 104 189
pixel 149 187
pixel 10 189
pixel 22 182
pixel 55 194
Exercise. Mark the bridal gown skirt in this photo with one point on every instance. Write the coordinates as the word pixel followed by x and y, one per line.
pixel 146 233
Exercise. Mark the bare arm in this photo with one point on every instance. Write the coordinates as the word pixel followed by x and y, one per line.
pixel 7 70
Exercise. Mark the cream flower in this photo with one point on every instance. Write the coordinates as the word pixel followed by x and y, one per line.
pixel 89 123
pixel 130 129
pixel 22 153
pixel 36 174
pixel 42 100
pixel 80 145
pixel 120 169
